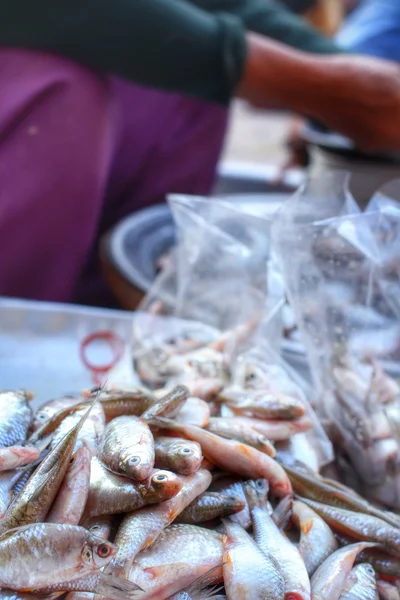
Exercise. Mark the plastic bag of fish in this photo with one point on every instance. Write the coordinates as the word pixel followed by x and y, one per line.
pixel 341 269
pixel 254 383
pixel 220 272
pixel 134 494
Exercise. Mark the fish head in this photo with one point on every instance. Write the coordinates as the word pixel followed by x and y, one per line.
pixel 134 466
pixel 256 492
pixel 163 485
pixel 187 456
pixel 96 552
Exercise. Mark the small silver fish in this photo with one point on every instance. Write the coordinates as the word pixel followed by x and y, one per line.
pixel 15 417
pixel 128 448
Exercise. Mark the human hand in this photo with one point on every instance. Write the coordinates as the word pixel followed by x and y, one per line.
pixel 360 98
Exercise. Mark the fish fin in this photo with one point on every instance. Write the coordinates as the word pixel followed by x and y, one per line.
pixel 164 423
pixel 197 591
pixel 117 588
pixel 118 568
pixel 39 489
pixel 13 531
pixel 283 512
pixel 78 426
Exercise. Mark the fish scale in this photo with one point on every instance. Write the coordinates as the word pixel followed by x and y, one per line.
pixel 43 554
pixel 15 417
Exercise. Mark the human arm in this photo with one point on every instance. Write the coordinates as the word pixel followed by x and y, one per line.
pixel 173 45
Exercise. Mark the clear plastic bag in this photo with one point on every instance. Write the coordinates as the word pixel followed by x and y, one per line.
pixel 340 268
pixel 261 369
pixel 221 272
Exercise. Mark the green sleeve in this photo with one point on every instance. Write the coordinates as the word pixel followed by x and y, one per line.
pixel 167 44
pixel 197 48
pixel 268 18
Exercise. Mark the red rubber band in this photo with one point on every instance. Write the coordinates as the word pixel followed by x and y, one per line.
pixel 117 345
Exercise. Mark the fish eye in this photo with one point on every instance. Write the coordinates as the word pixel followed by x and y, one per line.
pixel 103 550
pixel 94 528
pixel 134 460
pixel 87 555
pixel 186 450
pixel 160 477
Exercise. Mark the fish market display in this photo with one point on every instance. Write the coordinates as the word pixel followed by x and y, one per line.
pixel 163 494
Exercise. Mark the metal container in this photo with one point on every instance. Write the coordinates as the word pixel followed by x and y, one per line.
pixel 368 172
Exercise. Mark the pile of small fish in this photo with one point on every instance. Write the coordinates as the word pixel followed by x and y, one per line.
pixel 203 490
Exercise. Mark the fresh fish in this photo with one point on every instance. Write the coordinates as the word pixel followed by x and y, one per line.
pixel 248 573
pixel 358 526
pixel 275 431
pixel 52 407
pixel 360 584
pixel 128 448
pixel 35 499
pixel 15 417
pixel 70 502
pixel 273 543
pixel 177 455
pixel 117 403
pixel 168 405
pixel 317 541
pixel 99 583
pixel 332 493
pixel 40 555
pixel 263 404
pixel 195 411
pixel 282 513
pixel 200 589
pixel 329 579
pixel 8 480
pixel 100 526
pixel 300 448
pixel 210 505
pixel 141 528
pixel 383 563
pixel 17 456
pixel 228 428
pixel 113 494
pixel 180 555
pixel 387 591
pixel 205 388
pixel 231 486
pixel 92 430
pixel 234 456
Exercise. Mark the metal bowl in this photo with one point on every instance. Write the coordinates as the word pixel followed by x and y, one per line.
pixel 136 244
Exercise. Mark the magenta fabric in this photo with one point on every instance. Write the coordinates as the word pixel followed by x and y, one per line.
pixel 77 153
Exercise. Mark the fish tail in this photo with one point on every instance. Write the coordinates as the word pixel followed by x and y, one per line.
pixel 85 416
pixel 200 590
pixel 119 568
pixel 283 512
pixel 117 588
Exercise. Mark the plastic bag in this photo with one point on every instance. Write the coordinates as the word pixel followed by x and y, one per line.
pixel 339 266
pixel 221 272
pixel 261 369
pixel 160 341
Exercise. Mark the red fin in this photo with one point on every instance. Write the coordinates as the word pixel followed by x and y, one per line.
pixel 307 526
pixel 293 596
